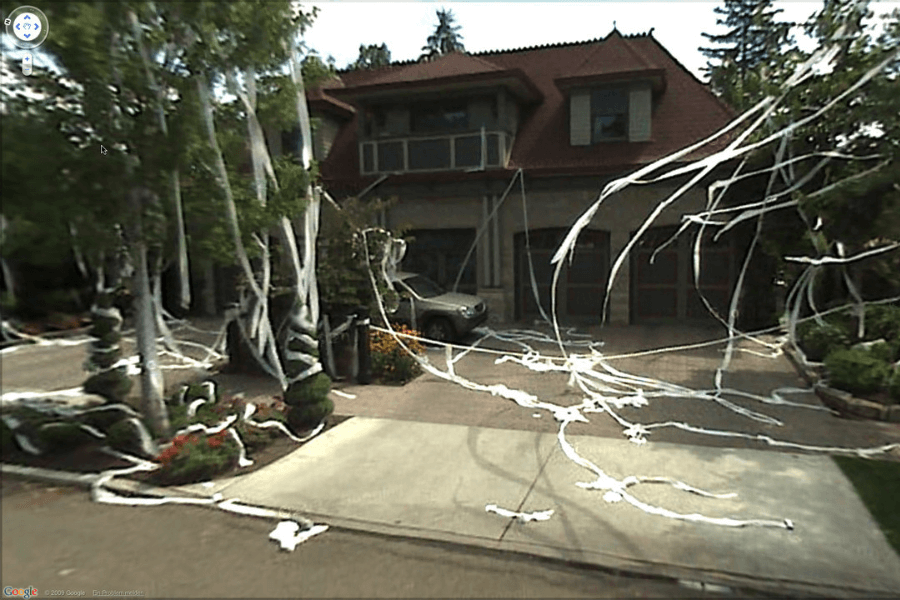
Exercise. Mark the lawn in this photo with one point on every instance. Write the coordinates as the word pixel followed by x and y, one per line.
pixel 878 484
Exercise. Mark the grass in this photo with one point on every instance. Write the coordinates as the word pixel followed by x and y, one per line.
pixel 878 484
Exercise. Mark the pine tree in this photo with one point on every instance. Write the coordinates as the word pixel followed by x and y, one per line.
pixel 445 38
pixel 371 57
pixel 753 40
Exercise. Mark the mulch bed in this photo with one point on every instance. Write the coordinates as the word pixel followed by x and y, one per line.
pixel 89 458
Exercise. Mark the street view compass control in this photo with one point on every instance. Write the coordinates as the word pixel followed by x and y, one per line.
pixel 28 27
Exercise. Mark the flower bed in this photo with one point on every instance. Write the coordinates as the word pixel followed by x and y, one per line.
pixel 204 453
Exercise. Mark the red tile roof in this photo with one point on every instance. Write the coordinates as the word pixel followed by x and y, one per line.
pixel 453 64
pixel 685 113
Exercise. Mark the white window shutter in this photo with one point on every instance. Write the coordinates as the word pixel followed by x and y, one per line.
pixel 639 112
pixel 580 118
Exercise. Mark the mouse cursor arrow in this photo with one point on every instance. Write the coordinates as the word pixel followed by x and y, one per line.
pixel 102 150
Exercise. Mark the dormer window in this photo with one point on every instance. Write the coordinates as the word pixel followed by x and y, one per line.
pixel 609 115
pixel 621 113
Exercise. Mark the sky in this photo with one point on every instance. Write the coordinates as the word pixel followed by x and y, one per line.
pixel 341 26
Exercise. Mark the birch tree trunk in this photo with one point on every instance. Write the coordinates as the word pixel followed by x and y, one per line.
pixel 152 385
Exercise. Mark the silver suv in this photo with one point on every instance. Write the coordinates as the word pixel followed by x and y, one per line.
pixel 440 315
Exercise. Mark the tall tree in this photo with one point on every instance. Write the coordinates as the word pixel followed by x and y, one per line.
pixel 752 40
pixel 836 157
pixel 445 39
pixel 371 57
pixel 115 61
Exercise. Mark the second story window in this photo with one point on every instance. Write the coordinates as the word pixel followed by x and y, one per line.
pixel 375 122
pixel 440 117
pixel 609 115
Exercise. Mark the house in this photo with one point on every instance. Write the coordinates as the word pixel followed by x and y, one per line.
pixel 447 137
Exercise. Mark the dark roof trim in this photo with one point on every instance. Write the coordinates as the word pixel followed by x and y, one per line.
pixel 657 76
pixel 532 91
pixel 332 106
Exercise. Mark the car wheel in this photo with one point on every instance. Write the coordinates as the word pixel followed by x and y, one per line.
pixel 439 330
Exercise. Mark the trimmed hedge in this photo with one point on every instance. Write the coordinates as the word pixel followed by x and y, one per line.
pixel 817 341
pixel 857 370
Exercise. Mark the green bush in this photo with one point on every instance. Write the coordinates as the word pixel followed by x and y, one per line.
pixel 178 418
pixel 306 416
pixel 883 321
pixel 314 389
pixel 7 439
pixel 103 419
pixel 882 351
pixel 113 385
pixel 28 416
pixel 856 371
pixel 894 386
pixel 63 436
pixel 120 435
pixel 817 341
pixel 194 458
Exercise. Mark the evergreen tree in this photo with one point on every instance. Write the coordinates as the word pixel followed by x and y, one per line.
pixel 371 57
pixel 445 38
pixel 845 169
pixel 752 41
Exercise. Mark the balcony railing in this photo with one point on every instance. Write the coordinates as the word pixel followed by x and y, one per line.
pixel 456 152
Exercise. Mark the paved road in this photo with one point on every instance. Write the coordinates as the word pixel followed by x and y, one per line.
pixel 59 365
pixel 55 538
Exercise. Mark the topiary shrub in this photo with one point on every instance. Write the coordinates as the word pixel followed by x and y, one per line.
pixel 856 371
pixel 883 321
pixel 121 436
pixel 305 417
pixel 817 341
pixel 309 402
pixel 113 385
pixel 62 436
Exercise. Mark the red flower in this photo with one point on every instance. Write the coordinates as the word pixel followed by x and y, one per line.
pixel 168 454
pixel 214 441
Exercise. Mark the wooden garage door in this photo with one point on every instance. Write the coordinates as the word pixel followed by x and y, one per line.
pixel 581 285
pixel 664 291
pixel 438 254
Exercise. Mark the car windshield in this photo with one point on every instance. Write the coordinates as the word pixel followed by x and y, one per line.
pixel 423 286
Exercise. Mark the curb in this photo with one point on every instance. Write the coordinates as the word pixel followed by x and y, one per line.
pixel 839 400
pixel 86 480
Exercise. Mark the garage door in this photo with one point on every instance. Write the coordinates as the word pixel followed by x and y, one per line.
pixel 438 255
pixel 664 291
pixel 581 285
